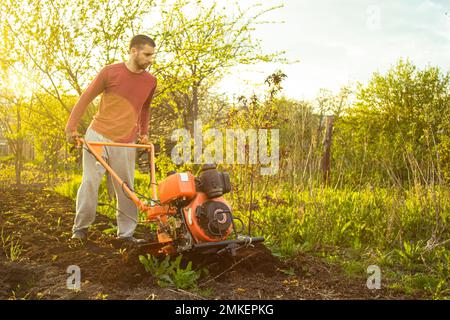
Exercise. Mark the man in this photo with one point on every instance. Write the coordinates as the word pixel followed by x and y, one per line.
pixel 123 116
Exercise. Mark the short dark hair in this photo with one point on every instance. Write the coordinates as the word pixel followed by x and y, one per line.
pixel 139 40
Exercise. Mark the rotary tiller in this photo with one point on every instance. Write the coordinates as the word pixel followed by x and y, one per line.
pixel 190 212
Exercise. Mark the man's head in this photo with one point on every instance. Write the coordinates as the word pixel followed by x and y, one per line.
pixel 142 50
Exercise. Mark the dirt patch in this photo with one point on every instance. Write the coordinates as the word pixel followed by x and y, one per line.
pixel 41 220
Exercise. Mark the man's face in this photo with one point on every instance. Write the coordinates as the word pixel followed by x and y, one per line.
pixel 143 57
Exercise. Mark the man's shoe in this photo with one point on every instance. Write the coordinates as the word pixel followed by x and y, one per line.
pixel 132 240
pixel 79 235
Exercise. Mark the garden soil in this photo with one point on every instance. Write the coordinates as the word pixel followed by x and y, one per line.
pixel 40 221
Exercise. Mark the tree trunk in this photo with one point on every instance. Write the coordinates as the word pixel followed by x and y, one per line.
pixel 193 109
pixel 19 150
pixel 194 103
pixel 326 158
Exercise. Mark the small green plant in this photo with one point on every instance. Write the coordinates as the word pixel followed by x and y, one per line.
pixel 111 230
pixel 206 293
pixel 11 247
pixel 101 296
pixel 17 294
pixel 353 268
pixel 123 254
pixel 58 222
pixel 290 271
pixel 410 255
pixel 170 273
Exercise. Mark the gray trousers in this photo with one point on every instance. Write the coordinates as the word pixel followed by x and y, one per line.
pixel 121 160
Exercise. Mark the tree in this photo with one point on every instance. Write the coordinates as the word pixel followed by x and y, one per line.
pixel 398 126
pixel 196 49
pixel 61 44
pixel 57 47
pixel 12 112
pixel 54 48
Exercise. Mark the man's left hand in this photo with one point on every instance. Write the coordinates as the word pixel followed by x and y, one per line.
pixel 143 139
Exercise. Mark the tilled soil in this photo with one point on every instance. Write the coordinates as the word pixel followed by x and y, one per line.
pixel 40 221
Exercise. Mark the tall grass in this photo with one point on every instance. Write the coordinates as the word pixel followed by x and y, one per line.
pixel 406 231
pixel 369 217
pixel 70 188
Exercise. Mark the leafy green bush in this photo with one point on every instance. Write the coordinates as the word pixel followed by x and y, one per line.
pixel 170 273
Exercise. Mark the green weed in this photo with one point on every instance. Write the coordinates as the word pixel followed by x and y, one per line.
pixel 170 273
pixel 11 247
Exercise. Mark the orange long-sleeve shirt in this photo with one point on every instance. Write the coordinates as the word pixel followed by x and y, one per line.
pixel 124 108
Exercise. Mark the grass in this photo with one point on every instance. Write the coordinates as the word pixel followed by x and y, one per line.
pixel 15 294
pixel 401 230
pixel 11 247
pixel 30 174
pixel 70 187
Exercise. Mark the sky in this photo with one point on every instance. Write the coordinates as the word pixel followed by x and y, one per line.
pixel 342 42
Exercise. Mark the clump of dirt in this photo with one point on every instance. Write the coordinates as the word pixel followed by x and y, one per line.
pixel 15 278
pixel 247 260
pixel 41 221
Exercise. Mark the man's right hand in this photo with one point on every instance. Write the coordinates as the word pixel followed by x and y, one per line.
pixel 71 136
